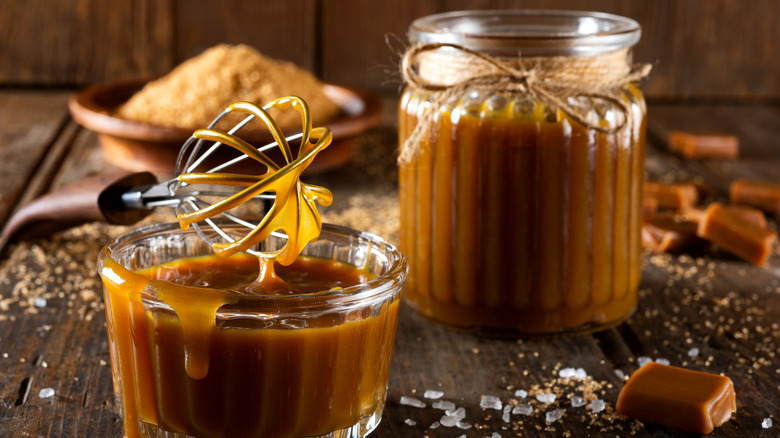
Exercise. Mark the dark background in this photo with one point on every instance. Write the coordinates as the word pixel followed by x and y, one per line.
pixel 702 50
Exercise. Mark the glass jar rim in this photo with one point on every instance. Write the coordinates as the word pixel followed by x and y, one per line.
pixel 529 32
pixel 388 283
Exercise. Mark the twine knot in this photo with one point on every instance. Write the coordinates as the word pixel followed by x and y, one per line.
pixel 551 80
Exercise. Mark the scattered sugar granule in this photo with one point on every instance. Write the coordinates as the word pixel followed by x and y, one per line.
pixel 40 302
pixel 643 360
pixel 523 410
pixel 693 352
pixel 443 405
pixel 663 361
pixel 411 401
pixel 490 402
pixel 553 416
pixel 521 393
pixel 433 394
pixel 547 397
pixel 46 393
pixel 767 423
pixel 410 422
pixel 577 401
pixel 597 405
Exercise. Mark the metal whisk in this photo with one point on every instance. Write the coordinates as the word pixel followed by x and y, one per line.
pixel 200 195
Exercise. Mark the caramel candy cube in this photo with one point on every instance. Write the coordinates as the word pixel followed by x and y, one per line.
pixel 649 206
pixel 760 194
pixel 677 397
pixel 750 214
pixel 669 232
pixel 704 145
pixel 674 196
pixel 736 234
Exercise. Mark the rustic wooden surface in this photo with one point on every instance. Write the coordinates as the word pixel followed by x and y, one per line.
pixel 700 49
pixel 706 311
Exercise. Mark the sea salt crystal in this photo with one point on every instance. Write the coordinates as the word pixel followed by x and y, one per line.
pixel 546 397
pixel 46 393
pixel 662 361
pixel 410 422
pixel 495 435
pixel 568 373
pixel 507 410
pixel 643 360
pixel 693 352
pixel 449 421
pixel 490 402
pixel 597 405
pixel 460 412
pixel 577 401
pixel 523 410
pixel 521 393
pixel 463 425
pixel 767 423
pixel 554 415
pixel 411 401
pixel 435 425
pixel 443 405
pixel 40 302
pixel 433 394
pixel 621 375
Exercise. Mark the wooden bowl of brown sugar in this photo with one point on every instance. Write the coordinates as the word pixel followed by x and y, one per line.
pixel 141 146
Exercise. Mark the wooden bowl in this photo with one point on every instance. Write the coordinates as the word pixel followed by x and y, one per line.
pixel 140 146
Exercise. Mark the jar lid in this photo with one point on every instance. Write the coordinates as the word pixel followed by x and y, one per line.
pixel 529 32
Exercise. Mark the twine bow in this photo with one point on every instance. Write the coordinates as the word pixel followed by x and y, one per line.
pixel 551 81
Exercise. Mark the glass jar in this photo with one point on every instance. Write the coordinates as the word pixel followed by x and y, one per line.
pixel 206 361
pixel 521 202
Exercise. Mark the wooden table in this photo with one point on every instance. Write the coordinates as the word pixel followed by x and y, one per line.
pixel 709 312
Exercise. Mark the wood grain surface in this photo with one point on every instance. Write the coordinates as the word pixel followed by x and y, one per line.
pixel 701 50
pixel 707 311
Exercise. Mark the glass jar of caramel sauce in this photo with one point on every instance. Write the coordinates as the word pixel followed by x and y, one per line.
pixel 521 163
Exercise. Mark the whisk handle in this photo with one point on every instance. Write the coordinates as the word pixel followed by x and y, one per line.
pixel 96 198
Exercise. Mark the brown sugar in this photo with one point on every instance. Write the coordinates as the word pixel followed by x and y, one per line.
pixel 200 88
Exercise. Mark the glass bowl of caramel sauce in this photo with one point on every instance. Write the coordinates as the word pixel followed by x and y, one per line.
pixel 203 345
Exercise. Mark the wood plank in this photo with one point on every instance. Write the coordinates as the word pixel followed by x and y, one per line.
pixel 354 47
pixel 79 42
pixel 285 30
pixel 29 125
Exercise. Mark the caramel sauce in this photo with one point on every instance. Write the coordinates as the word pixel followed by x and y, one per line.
pixel 186 372
pixel 521 219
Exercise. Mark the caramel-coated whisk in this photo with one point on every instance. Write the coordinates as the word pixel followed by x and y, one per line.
pixel 199 193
